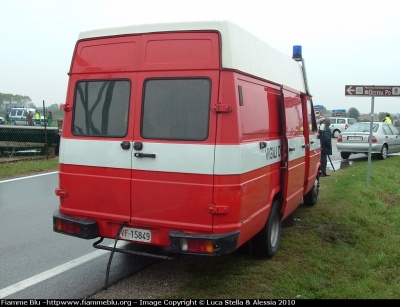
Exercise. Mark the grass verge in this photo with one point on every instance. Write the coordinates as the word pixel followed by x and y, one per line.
pixel 27 167
pixel 346 247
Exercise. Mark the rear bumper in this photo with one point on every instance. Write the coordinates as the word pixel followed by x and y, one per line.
pixel 358 148
pixel 223 243
pixel 88 229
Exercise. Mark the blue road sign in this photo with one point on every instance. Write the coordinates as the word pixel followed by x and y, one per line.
pixel 318 107
pixel 339 111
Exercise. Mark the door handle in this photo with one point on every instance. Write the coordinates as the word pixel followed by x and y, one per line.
pixel 292 149
pixel 143 155
pixel 125 145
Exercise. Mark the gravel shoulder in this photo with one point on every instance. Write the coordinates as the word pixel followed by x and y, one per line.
pixel 155 281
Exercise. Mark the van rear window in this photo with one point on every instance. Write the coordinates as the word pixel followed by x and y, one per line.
pixel 176 109
pixel 101 108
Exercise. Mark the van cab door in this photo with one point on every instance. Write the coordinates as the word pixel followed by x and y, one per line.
pixel 173 150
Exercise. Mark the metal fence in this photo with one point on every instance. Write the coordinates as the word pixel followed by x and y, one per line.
pixel 17 142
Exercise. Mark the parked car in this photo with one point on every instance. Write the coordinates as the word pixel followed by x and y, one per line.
pixel 385 139
pixel 339 124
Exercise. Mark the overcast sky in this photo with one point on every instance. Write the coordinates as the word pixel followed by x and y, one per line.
pixel 344 42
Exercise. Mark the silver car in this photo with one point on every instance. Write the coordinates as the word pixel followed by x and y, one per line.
pixel 355 139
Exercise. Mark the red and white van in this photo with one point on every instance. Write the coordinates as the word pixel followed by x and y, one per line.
pixel 196 136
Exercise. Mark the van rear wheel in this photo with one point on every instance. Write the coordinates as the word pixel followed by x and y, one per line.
pixel 310 199
pixel 266 242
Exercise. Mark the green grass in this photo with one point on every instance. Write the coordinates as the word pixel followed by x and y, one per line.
pixel 346 247
pixel 27 167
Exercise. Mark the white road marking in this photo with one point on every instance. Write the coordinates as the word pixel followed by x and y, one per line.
pixel 19 178
pixel 55 271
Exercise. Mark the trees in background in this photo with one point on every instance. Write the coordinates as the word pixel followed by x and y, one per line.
pixel 353 113
pixel 23 101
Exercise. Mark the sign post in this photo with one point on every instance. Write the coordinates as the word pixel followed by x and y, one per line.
pixel 372 91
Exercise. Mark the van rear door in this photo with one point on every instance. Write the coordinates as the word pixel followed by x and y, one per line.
pixel 173 150
pixel 95 170
pixel 295 149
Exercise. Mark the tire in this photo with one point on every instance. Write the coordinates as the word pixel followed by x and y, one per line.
pixel 266 243
pixel 384 152
pixel 336 133
pixel 345 155
pixel 311 198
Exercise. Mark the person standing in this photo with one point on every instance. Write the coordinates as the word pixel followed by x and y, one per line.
pixel 29 118
pixel 37 117
pixel 387 119
pixel 326 144
pixel 49 118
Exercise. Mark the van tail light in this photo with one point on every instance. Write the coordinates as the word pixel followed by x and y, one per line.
pixel 202 246
pixel 340 138
pixel 78 227
pixel 346 126
pixel 374 140
pixel 67 227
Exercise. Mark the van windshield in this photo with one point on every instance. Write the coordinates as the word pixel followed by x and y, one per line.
pixel 176 109
pixel 101 108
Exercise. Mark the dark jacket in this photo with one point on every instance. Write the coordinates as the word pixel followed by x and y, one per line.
pixel 326 141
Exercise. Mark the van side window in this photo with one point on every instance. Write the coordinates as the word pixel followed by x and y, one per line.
pixel 101 108
pixel 176 109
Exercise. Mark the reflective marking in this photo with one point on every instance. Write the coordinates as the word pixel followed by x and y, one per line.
pixel 55 271
pixel 27 177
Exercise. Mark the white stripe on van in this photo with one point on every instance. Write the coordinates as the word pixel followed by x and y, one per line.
pixel 178 158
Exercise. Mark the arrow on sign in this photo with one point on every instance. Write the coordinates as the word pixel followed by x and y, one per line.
pixel 350 90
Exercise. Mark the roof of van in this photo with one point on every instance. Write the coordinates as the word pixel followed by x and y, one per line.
pixel 241 50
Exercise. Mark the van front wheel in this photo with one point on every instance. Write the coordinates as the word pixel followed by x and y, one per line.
pixel 266 242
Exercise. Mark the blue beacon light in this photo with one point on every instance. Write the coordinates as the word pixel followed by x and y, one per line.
pixel 297 53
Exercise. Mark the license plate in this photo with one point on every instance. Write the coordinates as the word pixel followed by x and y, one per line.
pixel 135 234
pixel 355 138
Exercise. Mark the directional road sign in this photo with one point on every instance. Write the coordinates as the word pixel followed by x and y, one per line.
pixel 318 107
pixel 372 90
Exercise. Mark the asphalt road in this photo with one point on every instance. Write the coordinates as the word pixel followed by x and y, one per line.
pixel 36 262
